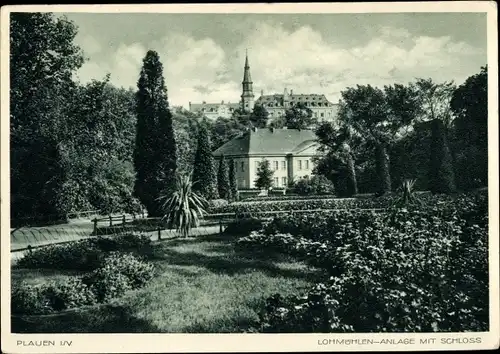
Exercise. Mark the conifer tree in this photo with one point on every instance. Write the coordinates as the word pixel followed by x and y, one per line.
pixel 204 177
pixel 223 180
pixel 441 179
pixel 264 176
pixel 155 155
pixel 232 180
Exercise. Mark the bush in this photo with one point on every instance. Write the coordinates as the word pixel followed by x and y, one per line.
pixel 29 299
pixel 316 185
pixel 406 269
pixel 83 255
pixel 70 293
pixel 47 298
pixel 217 203
pixel 243 227
pixel 120 272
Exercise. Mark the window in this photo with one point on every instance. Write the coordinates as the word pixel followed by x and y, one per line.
pixel 283 165
pixel 242 166
pixel 276 181
pixel 300 164
pixel 283 180
pixel 307 164
pixel 322 114
pixel 241 182
pixel 276 165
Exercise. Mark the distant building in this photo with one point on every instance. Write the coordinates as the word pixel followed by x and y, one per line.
pixel 289 152
pixel 276 104
pixel 214 110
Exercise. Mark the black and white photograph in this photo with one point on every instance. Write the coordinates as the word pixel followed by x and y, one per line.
pixel 255 172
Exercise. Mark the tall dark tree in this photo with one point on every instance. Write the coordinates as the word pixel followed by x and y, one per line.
pixel 223 184
pixel 299 117
pixel 155 157
pixel 259 116
pixel 204 177
pixel 469 104
pixel 338 161
pixel 441 178
pixel 43 59
pixel 264 178
pixel 232 180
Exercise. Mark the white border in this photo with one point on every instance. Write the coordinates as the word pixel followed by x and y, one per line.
pixel 155 343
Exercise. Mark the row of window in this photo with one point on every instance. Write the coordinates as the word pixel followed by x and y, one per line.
pixel 315 114
pixel 275 166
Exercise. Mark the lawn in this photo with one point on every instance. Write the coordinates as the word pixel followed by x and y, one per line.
pixel 202 285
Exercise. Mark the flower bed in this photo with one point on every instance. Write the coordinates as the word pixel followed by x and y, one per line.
pixel 415 269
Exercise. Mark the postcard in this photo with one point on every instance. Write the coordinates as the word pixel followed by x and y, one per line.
pixel 249 177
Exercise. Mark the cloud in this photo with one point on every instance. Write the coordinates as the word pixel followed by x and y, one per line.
pixel 199 69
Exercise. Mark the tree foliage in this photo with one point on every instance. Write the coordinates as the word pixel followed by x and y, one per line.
pixel 299 117
pixel 259 117
pixel 469 104
pixel 264 173
pixel 155 155
pixel 43 59
pixel 223 184
pixel 204 177
pixel 232 180
pixel 441 178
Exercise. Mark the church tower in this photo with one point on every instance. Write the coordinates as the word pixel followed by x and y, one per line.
pixel 247 97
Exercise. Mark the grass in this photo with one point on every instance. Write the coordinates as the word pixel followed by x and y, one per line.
pixel 203 285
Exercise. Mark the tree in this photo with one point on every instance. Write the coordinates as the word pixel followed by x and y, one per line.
pixel 233 186
pixel 441 179
pixel 259 116
pixel 380 117
pixel 43 59
pixel 299 117
pixel 99 171
pixel 155 157
pixel 434 100
pixel 264 175
pixel 203 169
pixel 184 208
pixel 224 129
pixel 223 180
pixel 335 144
pixel 469 104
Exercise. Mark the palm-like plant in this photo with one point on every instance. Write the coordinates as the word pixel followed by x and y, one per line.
pixel 184 208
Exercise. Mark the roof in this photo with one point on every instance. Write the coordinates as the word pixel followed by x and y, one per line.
pixel 277 100
pixel 194 107
pixel 268 141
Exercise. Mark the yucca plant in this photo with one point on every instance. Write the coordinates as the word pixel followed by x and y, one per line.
pixel 184 208
pixel 407 193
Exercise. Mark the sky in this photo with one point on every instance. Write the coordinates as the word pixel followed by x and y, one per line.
pixel 203 54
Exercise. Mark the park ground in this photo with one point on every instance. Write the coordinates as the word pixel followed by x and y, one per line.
pixel 203 284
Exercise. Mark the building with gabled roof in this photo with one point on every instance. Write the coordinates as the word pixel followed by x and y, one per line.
pixel 289 152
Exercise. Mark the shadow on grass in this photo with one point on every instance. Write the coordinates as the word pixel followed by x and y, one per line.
pixel 104 319
pixel 223 257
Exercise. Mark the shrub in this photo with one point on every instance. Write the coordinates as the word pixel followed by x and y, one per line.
pixel 47 298
pixel 120 272
pixel 243 227
pixel 83 255
pixel 217 203
pixel 29 299
pixel 70 293
pixel 316 185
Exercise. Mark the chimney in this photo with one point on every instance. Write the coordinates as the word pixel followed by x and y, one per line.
pixel 262 92
pixel 291 92
pixel 204 102
pixel 222 102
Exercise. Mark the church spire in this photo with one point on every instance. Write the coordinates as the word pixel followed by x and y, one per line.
pixel 247 97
